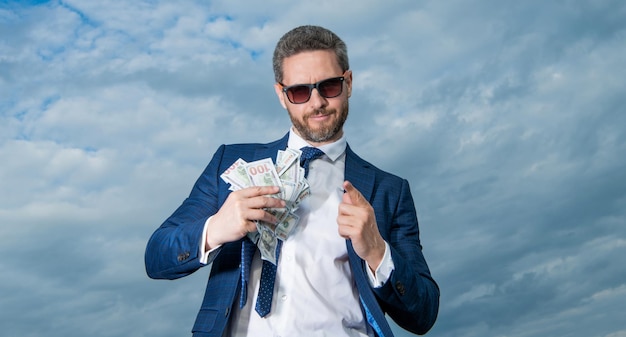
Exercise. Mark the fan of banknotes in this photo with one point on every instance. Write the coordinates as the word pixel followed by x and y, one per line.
pixel 289 176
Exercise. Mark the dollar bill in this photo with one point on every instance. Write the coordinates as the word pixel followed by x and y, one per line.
pixel 286 226
pixel 287 159
pixel 288 191
pixel 237 176
pixel 279 161
pixel 263 173
pixel 279 213
pixel 267 243
pixel 304 192
pixel 294 188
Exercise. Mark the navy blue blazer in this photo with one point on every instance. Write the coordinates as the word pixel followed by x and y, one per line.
pixel 410 296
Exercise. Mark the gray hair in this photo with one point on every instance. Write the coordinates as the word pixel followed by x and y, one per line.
pixel 308 38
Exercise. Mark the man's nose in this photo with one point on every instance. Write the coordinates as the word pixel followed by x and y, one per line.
pixel 317 100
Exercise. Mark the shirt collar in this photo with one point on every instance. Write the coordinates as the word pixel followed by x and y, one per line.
pixel 333 150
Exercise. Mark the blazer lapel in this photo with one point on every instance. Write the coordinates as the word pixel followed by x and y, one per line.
pixel 270 150
pixel 359 173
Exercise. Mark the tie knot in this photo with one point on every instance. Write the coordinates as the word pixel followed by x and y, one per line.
pixel 308 154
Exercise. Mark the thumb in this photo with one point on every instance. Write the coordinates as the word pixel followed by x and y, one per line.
pixel 352 195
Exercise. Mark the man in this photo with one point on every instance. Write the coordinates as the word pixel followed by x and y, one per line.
pixel 355 253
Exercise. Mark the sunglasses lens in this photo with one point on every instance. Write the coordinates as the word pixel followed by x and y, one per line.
pixel 299 94
pixel 331 87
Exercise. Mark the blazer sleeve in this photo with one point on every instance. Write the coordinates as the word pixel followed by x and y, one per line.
pixel 410 296
pixel 173 250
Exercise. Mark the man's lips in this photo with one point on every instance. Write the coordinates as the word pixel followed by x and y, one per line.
pixel 319 116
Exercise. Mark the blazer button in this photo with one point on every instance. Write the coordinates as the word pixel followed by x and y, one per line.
pixel 400 288
pixel 183 256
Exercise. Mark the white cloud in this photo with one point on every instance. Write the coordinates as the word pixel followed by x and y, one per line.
pixel 505 118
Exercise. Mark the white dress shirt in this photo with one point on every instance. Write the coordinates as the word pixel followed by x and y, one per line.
pixel 314 294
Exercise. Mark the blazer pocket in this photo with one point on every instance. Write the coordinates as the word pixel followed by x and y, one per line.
pixel 205 320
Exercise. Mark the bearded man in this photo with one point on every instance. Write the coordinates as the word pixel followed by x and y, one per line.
pixel 355 253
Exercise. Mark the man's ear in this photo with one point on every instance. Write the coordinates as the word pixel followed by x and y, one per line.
pixel 281 97
pixel 348 78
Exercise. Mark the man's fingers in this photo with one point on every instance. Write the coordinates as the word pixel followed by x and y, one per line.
pixel 352 195
pixel 262 215
pixel 256 191
pixel 269 218
pixel 258 197
pixel 265 202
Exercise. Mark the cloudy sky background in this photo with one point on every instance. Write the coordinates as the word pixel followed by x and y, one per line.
pixel 507 118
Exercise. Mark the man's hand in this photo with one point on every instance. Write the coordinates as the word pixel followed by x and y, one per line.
pixel 357 222
pixel 237 216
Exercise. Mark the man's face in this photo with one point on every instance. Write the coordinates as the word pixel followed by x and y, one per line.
pixel 319 120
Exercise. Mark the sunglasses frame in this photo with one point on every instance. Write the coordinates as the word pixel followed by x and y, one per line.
pixel 316 85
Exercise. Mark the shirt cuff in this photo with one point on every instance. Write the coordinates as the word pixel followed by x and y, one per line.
pixel 207 257
pixel 383 271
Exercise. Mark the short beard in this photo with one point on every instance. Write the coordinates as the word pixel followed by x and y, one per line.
pixel 326 133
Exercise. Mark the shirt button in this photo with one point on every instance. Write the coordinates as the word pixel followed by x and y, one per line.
pixel 283 298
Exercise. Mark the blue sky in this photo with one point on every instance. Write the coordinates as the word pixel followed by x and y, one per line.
pixel 507 118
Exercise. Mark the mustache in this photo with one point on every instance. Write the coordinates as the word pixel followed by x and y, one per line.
pixel 321 112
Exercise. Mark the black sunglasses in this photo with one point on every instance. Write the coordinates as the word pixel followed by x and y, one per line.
pixel 301 93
